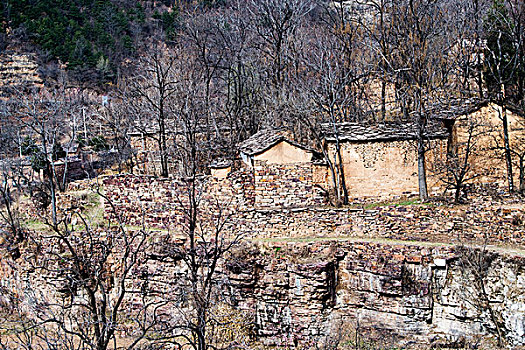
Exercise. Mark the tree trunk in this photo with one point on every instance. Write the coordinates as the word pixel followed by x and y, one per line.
pixel 334 177
pixel 522 174
pixel 50 170
pixel 201 332
pixel 383 99
pixel 457 194
pixel 162 149
pixel 478 45
pixel 342 180
pixel 508 157
pixel 421 171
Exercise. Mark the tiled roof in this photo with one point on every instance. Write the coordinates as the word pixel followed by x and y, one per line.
pixel 265 139
pixel 220 163
pixel 358 132
pixel 455 108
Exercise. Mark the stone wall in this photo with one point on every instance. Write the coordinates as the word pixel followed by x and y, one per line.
pixel 484 221
pixel 286 185
pixel 158 204
pixel 362 272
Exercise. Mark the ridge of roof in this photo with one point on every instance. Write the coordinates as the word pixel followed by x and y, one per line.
pixel 265 139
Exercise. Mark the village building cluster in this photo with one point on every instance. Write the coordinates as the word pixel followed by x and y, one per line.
pixel 379 160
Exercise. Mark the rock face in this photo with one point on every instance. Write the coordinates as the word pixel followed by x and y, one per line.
pixel 406 294
pixel 361 285
pixel 303 294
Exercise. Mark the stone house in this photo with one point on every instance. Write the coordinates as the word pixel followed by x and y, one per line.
pixel 487 159
pixel 285 172
pixel 380 160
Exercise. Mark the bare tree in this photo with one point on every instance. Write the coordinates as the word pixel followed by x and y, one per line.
pixel 420 66
pixel 333 104
pixel 475 264
pixel 457 168
pixel 46 123
pixel 207 227
pixel 378 28
pixel 119 124
pixel 148 97
pixel 221 42
pixel 278 32
pixel 77 294
pixel 276 24
pixel 516 148
pixel 12 232
pixel 503 62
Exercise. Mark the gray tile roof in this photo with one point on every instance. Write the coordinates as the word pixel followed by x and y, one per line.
pixel 347 132
pixel 455 108
pixel 220 163
pixel 358 132
pixel 265 139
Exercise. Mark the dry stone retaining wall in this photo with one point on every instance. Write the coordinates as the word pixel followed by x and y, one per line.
pixel 286 186
pixel 160 203
pixel 157 203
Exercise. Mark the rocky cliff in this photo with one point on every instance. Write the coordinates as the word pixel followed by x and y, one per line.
pixel 395 294
pixel 395 276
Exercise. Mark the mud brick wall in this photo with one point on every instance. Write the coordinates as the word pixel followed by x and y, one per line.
pixel 487 160
pixel 286 186
pixel 387 169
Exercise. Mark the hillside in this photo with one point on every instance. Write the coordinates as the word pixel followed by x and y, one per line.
pixel 91 38
pixel 262 174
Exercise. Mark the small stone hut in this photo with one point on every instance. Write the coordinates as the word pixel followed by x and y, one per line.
pixel 381 160
pixel 284 170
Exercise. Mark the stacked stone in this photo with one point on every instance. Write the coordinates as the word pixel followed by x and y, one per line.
pixel 285 186
pixel 159 204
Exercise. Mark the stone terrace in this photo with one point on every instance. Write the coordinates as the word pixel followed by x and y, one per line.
pixel 500 220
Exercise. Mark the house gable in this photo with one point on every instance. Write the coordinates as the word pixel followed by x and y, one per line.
pixel 284 153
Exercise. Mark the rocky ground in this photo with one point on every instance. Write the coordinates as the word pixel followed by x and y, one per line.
pixel 495 219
